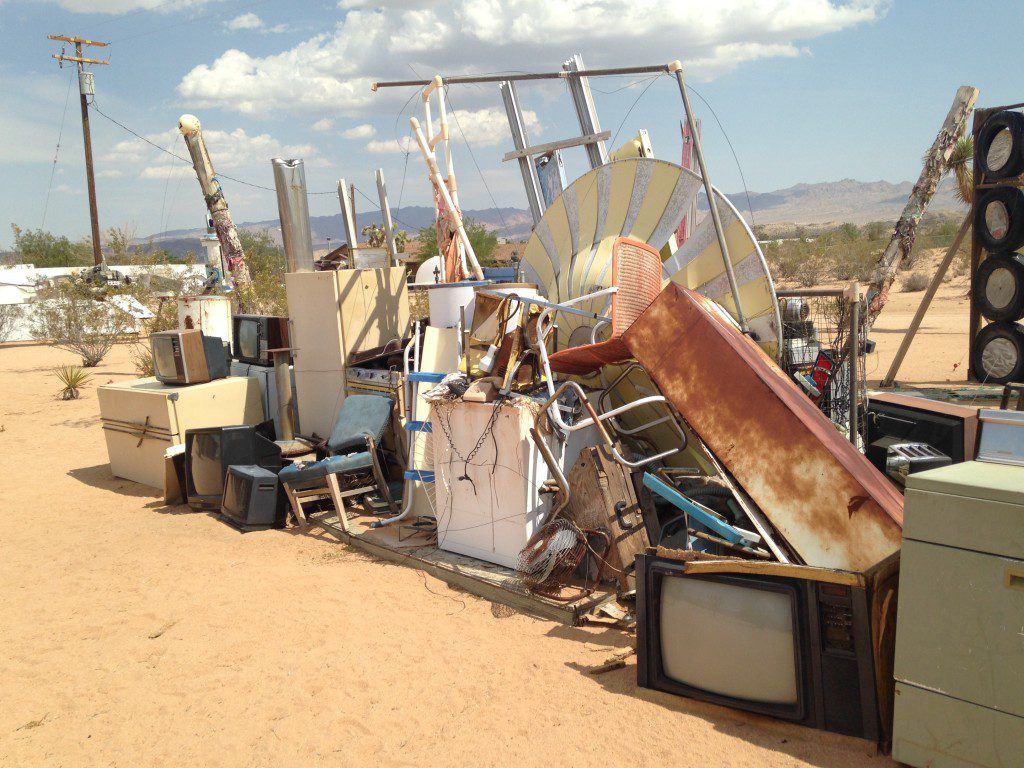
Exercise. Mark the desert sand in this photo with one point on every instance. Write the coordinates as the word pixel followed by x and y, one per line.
pixel 134 633
pixel 139 634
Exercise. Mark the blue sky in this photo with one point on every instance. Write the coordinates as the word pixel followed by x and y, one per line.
pixel 808 91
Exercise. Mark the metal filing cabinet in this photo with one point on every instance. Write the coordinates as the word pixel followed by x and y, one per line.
pixel 960 625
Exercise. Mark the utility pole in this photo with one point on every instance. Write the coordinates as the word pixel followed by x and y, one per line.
pixel 85 89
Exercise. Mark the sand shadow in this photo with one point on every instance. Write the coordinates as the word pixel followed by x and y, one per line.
pixel 613 638
pixel 99 476
pixel 800 742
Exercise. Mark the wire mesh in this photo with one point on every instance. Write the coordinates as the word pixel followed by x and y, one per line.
pixel 816 353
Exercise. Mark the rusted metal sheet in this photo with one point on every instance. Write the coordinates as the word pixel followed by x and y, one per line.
pixel 831 505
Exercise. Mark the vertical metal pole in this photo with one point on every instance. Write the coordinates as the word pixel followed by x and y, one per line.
pixel 285 396
pixel 355 223
pixel 854 357
pixel 385 217
pixel 583 101
pixel 293 211
pixel 348 217
pixel 677 68
pixel 90 179
pixel 520 141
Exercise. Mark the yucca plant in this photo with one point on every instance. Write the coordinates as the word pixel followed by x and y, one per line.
pixel 961 163
pixel 73 378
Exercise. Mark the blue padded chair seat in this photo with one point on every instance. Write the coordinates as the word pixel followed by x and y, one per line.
pixel 313 474
pixel 360 416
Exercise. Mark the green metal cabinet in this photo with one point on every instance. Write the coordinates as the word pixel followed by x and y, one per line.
pixel 960 625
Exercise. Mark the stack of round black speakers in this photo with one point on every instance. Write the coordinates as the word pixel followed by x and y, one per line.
pixel 997 354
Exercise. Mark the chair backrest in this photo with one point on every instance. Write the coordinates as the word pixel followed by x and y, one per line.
pixel 360 416
pixel 636 271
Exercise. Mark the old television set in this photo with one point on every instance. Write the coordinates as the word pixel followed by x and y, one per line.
pixel 211 450
pixel 188 357
pixel 253 499
pixel 949 428
pixel 791 648
pixel 255 335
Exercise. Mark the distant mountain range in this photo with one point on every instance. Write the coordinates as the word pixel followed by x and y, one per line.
pixel 831 202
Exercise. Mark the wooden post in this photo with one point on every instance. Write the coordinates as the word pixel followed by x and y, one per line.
pixel 230 245
pixel 905 230
pixel 926 300
pixel 85 90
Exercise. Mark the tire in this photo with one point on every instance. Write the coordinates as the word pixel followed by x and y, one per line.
pixel 999 219
pixel 998 354
pixel 1001 146
pixel 998 287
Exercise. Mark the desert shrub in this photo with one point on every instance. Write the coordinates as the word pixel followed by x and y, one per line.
pixel 44 249
pixel 401 240
pixel 484 242
pixel 267 267
pixel 68 316
pixel 914 282
pixel 374 235
pixel 10 314
pixel 73 379
pixel 142 360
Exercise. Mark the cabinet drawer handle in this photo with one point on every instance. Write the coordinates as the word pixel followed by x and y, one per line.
pixel 1014 578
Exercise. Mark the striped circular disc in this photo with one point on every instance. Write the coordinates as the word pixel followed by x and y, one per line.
pixel 569 253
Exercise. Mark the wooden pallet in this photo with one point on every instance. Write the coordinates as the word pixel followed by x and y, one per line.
pixel 487 580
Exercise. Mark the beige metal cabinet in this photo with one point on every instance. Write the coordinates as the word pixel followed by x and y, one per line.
pixel 332 315
pixel 960 627
pixel 142 418
pixel 210 314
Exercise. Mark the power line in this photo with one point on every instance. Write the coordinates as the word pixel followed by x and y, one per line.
pixel 56 152
pixel 458 125
pixel 176 156
pixel 739 167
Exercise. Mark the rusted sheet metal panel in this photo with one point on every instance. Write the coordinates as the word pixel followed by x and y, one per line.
pixel 833 507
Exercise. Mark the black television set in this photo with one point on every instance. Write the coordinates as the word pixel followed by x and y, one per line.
pixel 787 647
pixel 188 357
pixel 255 335
pixel 209 452
pixel 253 499
pixel 949 428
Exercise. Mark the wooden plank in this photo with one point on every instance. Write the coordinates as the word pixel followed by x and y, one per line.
pixel 926 301
pixel 566 613
pixel 787 570
pixel 540 149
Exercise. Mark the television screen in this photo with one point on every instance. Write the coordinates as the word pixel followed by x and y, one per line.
pixel 248 339
pixel 713 634
pixel 205 462
pixel 164 366
pixel 236 495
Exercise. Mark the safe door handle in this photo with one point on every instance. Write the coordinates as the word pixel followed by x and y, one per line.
pixel 1013 578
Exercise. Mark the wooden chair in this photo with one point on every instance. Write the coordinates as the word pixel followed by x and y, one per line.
pixel 353 468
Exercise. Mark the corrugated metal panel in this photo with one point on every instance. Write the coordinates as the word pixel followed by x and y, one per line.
pixel 832 506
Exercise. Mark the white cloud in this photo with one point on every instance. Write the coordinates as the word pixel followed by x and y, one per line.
pixel 400 146
pixel 248 21
pixel 363 131
pixel 487 127
pixel 127 6
pixel 229 150
pixel 333 70
pixel 244 21
pixel 170 170
pixel 110 173
pixel 323 125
